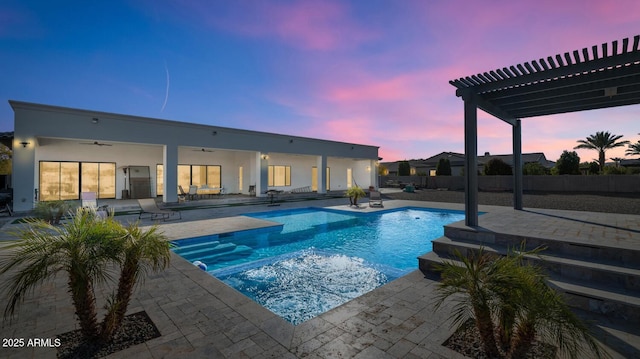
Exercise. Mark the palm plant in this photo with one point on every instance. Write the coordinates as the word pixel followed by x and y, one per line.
pixel 601 142
pixel 512 305
pixel 143 251
pixel 634 149
pixel 86 248
pixel 354 193
pixel 81 247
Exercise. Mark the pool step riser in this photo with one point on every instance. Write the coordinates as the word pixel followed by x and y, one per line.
pixel 203 252
pixel 188 247
pixel 574 270
pixel 239 252
pixel 594 253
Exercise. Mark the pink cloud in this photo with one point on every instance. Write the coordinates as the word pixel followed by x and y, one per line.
pixel 310 25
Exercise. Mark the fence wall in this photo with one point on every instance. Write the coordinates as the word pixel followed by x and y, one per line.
pixel 563 183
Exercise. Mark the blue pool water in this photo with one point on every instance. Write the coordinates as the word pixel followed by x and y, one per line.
pixel 319 258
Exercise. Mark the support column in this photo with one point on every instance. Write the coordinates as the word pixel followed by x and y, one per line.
pixel 321 165
pixel 517 165
pixel 170 173
pixel 262 172
pixel 471 159
pixel 373 173
pixel 24 173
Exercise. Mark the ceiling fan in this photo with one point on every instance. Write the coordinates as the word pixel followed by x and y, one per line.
pixel 203 150
pixel 96 143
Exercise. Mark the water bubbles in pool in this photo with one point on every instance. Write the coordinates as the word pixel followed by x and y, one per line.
pixel 303 287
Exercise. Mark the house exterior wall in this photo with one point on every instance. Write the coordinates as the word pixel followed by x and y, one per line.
pixel 57 133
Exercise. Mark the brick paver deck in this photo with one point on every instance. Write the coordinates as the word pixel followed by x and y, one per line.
pixel 199 316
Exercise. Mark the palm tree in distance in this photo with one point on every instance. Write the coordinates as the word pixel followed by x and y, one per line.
pixel 601 142
pixel 634 149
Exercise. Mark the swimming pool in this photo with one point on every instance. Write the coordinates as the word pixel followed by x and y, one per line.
pixel 319 258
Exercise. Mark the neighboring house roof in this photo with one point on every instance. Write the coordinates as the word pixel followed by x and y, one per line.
pixel 526 158
pixel 634 162
pixel 457 160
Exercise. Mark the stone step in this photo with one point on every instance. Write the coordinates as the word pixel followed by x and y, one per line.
pixel 570 267
pixel 584 295
pixel 567 247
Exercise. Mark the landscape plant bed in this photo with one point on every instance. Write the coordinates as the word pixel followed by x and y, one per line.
pixel 136 328
pixel 466 341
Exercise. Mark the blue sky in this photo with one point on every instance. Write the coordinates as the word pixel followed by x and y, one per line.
pixel 372 72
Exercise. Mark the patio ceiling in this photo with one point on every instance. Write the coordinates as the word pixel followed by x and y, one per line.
pixel 600 77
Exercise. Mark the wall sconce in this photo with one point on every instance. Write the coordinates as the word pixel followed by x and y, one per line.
pixel 264 156
pixel 214 133
pixel 291 141
pixel 95 120
pixel 368 168
pixel 25 144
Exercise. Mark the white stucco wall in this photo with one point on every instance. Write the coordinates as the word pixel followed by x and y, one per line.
pixel 56 133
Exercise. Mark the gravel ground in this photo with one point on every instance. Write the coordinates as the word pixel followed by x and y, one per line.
pixel 628 203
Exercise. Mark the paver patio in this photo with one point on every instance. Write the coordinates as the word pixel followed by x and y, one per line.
pixel 199 316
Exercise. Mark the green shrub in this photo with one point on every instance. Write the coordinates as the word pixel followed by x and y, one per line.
pixel 567 164
pixel 404 168
pixel 497 167
pixel 612 170
pixel 534 169
pixel 443 168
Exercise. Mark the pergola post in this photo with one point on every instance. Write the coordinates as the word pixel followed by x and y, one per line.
pixel 517 164
pixel 471 159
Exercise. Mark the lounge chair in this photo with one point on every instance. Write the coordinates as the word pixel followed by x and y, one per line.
pixel 375 199
pixel 182 196
pixel 149 206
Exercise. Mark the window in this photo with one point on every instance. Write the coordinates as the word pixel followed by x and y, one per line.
pixel 65 180
pixel 279 176
pixel 314 178
pixel 159 180
pixel 199 175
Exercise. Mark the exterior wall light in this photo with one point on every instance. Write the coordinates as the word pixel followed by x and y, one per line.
pixel 25 144
pixel 95 120
pixel 264 156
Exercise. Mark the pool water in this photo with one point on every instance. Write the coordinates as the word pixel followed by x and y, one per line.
pixel 319 258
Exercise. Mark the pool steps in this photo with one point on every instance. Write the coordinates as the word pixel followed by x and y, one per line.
pixel 211 252
pixel 596 278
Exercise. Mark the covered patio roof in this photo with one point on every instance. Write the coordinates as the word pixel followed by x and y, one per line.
pixel 600 77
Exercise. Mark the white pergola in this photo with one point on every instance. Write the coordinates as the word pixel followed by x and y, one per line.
pixel 578 81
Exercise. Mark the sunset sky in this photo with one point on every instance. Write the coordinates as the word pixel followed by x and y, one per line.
pixel 370 72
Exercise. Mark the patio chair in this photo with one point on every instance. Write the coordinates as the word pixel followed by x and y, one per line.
pixel 149 206
pixel 90 200
pixel 193 192
pixel 5 203
pixel 375 199
pixel 182 196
